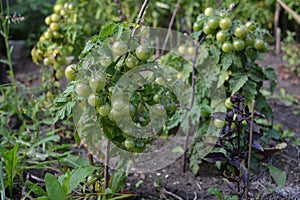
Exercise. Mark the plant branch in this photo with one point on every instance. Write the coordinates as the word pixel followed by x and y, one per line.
pixel 250 147
pixel 170 27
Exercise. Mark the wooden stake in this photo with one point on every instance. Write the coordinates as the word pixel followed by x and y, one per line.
pixel 250 148
pixel 106 167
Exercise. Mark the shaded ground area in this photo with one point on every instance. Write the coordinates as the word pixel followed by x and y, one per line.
pixel 172 183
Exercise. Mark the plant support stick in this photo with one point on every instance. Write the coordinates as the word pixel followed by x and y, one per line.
pixel 250 148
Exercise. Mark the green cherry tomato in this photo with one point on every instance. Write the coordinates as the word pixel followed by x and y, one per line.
pixel 228 103
pixel 119 48
pixel 250 51
pixel 156 98
pixel 219 123
pixel 105 61
pixel 259 44
pixel 48 35
pixel 131 62
pixel 207 29
pixel 251 26
pixel 241 31
pixel 238 45
pixel 213 22
pixel 57 8
pixel 198 25
pixel 70 72
pixel 249 40
pixel 104 110
pixel 143 53
pixel 227 47
pixel 225 23
pixel 97 83
pixel 139 147
pixel 48 20
pixel 47 61
pixel 221 36
pixel 54 26
pixel 55 17
pixel 181 49
pixel 59 74
pixel 93 100
pixel 82 89
pixel 129 143
pixel 208 11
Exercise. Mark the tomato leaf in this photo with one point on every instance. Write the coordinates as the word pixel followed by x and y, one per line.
pixel 237 82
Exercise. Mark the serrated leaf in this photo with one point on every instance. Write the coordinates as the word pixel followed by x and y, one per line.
pixel 226 61
pixel 79 175
pixel 237 83
pixel 249 90
pixel 215 53
pixel 237 61
pixel 222 78
pixel 64 181
pixel 54 188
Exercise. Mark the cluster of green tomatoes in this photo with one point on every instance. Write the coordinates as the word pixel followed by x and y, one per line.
pixel 95 78
pixel 51 49
pixel 231 35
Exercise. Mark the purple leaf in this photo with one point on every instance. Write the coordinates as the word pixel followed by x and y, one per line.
pixel 213 157
pixel 257 145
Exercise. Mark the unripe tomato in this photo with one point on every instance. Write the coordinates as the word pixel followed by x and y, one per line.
pixel 71 6
pixel 213 22
pixel 219 123
pixel 259 44
pixel 118 105
pixel 251 52
pixel 93 100
pixel 48 35
pixel 225 23
pixel 63 12
pixel 59 74
pixel 191 50
pixel 47 61
pixel 139 147
pixel 131 62
pixel 207 29
pixel 251 26
pixel 55 17
pixel 221 36
pixel 82 89
pixel 70 72
pixel 119 48
pixel 249 41
pixel 57 8
pixel 241 31
pixel 56 35
pixel 181 49
pixel 48 20
pixel 228 103
pixel 156 98
pixel 208 11
pixel 129 143
pixel 97 83
pixel 227 47
pixel 143 53
pixel 104 110
pixel 54 26
pixel 238 45
pixel 105 61
pixel 198 25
